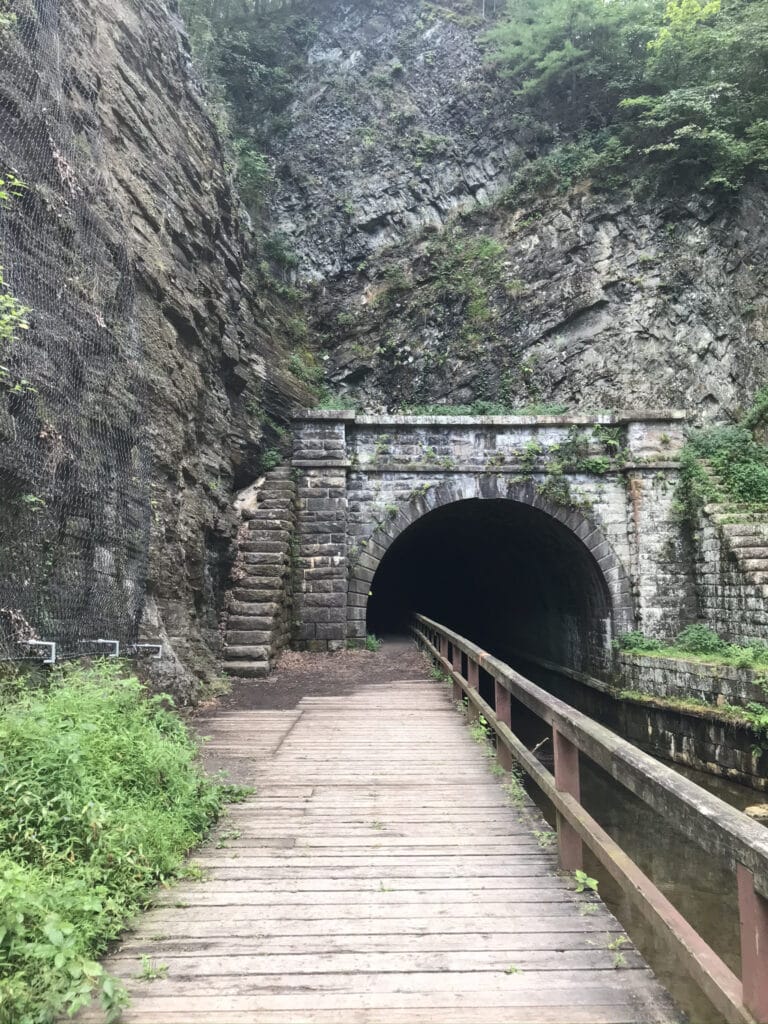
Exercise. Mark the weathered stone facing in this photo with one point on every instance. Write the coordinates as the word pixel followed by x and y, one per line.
pixel 694 737
pixel 259 603
pixel 320 451
pixel 732 597
pixel 365 479
pixel 672 677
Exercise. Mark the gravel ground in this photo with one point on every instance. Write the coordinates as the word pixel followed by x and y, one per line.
pixel 301 674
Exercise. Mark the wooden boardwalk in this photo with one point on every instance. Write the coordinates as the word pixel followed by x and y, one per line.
pixel 379 875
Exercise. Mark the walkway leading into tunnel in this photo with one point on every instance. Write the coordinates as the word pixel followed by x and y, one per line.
pixel 380 873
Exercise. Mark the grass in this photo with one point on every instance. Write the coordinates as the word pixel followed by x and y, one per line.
pixel 697 643
pixel 100 799
pixel 484 408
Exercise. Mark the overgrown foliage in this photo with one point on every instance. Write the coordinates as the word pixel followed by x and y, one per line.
pixel 697 642
pixel 13 315
pixel 7 19
pixel 727 464
pixel 100 798
pixel 249 53
pixel 486 408
pixel 671 92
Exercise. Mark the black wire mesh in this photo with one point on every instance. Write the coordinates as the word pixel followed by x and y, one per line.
pixel 74 488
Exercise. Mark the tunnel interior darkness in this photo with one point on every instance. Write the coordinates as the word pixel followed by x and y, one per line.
pixel 506 575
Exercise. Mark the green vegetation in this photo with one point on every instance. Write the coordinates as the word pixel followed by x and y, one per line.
pixel 100 798
pixel 697 643
pixel 7 18
pixel 249 55
pixel 372 643
pixel 640 90
pixel 583 882
pixel 739 462
pixel 485 408
pixel 13 315
pixel 150 970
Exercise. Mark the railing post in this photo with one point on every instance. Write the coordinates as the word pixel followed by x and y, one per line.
pixel 503 703
pixel 753 919
pixel 473 678
pixel 458 693
pixel 567 780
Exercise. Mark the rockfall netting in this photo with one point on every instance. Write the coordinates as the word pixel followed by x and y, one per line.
pixel 74 491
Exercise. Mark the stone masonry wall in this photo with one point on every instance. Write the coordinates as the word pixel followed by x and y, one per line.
pixel 672 677
pixel 364 479
pixel 320 616
pixel 731 597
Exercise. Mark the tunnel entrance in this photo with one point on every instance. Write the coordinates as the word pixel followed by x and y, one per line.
pixel 505 574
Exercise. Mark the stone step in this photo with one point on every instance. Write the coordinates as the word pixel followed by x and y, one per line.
pixel 248 623
pixel 276 503
pixel 249 609
pixel 256 595
pixel 747 540
pixel 247 669
pixel 738 530
pixel 266 558
pixel 256 543
pixel 249 638
pixel 758 551
pixel 267 574
pixel 261 609
pixel 284 472
pixel 258 536
pixel 268 520
pixel 752 564
pixel 246 653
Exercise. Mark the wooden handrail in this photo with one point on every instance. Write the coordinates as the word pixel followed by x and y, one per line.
pixel 714 825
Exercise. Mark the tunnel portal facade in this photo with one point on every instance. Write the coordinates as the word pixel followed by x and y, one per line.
pixel 546 535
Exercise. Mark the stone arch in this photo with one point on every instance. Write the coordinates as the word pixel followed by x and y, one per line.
pixel 584 528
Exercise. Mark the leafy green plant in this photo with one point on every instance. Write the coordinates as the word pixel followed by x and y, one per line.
pixel 545 838
pixel 270 459
pixel 583 882
pixel 638 642
pixel 151 970
pixel 372 643
pixel 669 92
pixel 100 798
pixel 13 315
pixel 699 639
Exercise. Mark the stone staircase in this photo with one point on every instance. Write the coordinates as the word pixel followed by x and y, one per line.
pixel 258 617
pixel 733 578
pixel 748 543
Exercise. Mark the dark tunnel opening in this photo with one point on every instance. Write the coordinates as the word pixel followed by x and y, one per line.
pixel 504 574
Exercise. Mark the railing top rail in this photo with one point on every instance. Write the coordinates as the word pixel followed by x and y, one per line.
pixel 706 819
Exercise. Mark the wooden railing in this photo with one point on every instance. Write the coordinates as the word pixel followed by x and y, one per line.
pixel 719 829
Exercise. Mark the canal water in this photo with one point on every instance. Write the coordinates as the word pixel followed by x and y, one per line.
pixel 701 887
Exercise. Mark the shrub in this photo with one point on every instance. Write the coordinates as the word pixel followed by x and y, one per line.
pixel 700 639
pixel 100 798
pixel 637 641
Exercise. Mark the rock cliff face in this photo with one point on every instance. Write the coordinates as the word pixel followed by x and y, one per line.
pixel 152 378
pixel 150 365
pixel 398 133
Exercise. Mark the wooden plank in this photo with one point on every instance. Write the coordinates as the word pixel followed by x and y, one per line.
pixel 612 1013
pixel 237 965
pixel 396 942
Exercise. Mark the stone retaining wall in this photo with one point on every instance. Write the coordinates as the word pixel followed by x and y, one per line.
pixel 673 677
